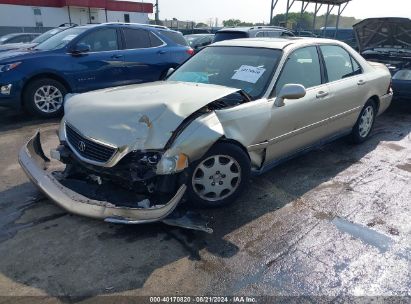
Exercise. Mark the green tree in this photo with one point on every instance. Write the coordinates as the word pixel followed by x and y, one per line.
pixel 231 22
pixel 200 25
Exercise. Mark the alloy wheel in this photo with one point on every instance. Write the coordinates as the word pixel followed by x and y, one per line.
pixel 216 177
pixel 48 99
pixel 366 121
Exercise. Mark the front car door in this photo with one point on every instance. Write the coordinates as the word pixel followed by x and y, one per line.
pixel 348 87
pixel 298 124
pixel 103 65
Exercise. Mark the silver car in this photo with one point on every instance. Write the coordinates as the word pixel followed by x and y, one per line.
pixel 237 108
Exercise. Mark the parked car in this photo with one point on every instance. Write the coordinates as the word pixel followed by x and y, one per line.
pixel 87 58
pixel 388 40
pixel 18 38
pixel 199 41
pixel 237 107
pixel 345 35
pixel 302 33
pixel 39 39
pixel 251 32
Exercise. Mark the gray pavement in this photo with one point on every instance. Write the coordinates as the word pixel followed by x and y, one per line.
pixel 334 222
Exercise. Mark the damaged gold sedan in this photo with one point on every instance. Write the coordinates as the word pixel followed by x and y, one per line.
pixel 237 108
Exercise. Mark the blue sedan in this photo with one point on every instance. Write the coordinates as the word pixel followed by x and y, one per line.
pixel 87 58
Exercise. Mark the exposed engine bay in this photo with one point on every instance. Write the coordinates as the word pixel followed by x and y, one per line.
pixel 395 60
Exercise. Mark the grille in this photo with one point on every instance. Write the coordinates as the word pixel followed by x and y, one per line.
pixel 87 148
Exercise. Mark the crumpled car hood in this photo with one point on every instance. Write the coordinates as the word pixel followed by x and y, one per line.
pixel 143 116
pixel 383 33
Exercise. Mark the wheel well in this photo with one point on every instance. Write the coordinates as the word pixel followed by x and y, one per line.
pixel 376 100
pixel 234 142
pixel 45 75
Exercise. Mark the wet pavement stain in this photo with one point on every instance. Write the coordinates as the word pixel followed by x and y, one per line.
pixel 395 147
pixel 368 236
pixel 405 167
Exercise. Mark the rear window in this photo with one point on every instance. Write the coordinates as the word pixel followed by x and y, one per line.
pixel 221 36
pixel 176 37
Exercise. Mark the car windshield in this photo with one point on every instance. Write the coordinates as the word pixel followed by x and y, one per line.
pixel 43 37
pixel 245 68
pixel 60 40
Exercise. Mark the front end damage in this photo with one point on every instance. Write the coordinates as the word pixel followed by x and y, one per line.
pixel 82 193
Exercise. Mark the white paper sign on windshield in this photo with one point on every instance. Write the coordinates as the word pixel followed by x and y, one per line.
pixel 248 73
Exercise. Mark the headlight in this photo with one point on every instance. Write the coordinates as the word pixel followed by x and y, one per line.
pixel 172 164
pixel 402 75
pixel 8 67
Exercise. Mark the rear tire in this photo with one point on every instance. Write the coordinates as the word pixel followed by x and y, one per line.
pixel 44 97
pixel 219 177
pixel 365 123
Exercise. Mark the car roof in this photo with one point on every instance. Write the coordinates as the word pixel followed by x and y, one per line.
pixel 251 28
pixel 133 25
pixel 274 43
pixel 19 34
pixel 199 35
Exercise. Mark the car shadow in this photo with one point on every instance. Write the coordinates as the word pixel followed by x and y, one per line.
pixel 75 258
pixel 12 120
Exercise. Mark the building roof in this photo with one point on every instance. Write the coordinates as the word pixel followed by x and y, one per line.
pixel 111 5
pixel 331 2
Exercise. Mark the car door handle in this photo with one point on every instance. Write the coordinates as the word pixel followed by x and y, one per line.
pixel 361 82
pixel 117 56
pixel 161 52
pixel 322 94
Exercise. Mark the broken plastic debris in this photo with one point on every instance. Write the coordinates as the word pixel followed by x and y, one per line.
pixel 188 220
pixel 144 204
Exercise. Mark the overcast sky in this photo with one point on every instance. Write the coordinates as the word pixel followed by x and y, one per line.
pixel 259 10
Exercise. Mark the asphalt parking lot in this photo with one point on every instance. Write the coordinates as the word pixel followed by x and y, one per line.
pixel 334 222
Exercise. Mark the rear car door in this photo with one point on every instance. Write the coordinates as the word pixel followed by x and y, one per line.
pixel 103 65
pixel 146 56
pixel 299 123
pixel 348 87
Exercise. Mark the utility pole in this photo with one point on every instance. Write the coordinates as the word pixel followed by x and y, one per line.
pixel 157 16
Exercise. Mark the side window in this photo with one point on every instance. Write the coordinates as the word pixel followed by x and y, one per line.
pixel 101 40
pixel 260 34
pixel 338 62
pixel 273 34
pixel 136 38
pixel 175 37
pixel 302 67
pixel 356 67
pixel 155 41
pixel 287 34
pixel 17 39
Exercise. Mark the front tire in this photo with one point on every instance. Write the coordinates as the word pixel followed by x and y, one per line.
pixel 365 123
pixel 219 177
pixel 44 97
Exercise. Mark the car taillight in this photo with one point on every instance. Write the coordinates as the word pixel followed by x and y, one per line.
pixel 190 52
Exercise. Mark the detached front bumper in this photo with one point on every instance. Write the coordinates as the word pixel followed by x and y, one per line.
pixel 34 162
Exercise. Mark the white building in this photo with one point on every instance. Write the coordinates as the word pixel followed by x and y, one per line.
pixel 52 13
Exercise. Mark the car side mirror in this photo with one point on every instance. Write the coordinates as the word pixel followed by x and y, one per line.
pixel 169 72
pixel 290 91
pixel 80 48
